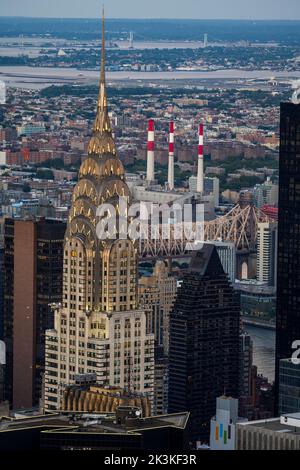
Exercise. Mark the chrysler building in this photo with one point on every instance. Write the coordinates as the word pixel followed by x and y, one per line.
pixel 99 328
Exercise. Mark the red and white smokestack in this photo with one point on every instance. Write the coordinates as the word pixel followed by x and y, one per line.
pixel 150 151
pixel 171 157
pixel 200 176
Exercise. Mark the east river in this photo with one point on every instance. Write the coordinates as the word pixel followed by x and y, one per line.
pixel 263 350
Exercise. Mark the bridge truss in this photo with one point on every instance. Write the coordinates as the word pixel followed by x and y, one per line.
pixel 239 226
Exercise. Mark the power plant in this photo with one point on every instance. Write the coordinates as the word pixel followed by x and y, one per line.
pixel 238 227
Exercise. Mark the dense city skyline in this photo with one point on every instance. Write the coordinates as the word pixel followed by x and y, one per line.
pixel 149 232
pixel 216 9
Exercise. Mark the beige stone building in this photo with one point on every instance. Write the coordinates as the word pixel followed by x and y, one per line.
pixel 99 327
pixel 95 399
pixel 157 294
pixel 266 265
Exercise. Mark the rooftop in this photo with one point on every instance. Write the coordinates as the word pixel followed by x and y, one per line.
pixel 94 423
pixel 284 424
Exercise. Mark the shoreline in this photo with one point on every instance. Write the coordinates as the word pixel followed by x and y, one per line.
pixel 258 323
pixel 20 76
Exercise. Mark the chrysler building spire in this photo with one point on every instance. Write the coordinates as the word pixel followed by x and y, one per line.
pixel 102 78
pixel 102 140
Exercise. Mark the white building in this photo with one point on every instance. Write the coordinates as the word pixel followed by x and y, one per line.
pixel 2 158
pixel 157 196
pixel 211 186
pixel 30 129
pixel 266 194
pixel 223 425
pixel 2 370
pixel 2 353
pixel 266 266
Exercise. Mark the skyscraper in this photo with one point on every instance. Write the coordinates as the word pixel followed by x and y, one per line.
pixel 99 328
pixel 266 266
pixel 33 268
pixel 1 275
pixel 204 342
pixel 288 279
pixel 246 363
pixel 157 295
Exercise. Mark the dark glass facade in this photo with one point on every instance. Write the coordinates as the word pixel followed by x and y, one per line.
pixel 288 281
pixel 204 342
pixel 1 287
pixel 289 387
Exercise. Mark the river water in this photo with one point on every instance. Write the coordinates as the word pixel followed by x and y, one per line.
pixel 40 77
pixel 263 350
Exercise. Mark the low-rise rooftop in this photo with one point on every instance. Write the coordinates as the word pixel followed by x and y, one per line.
pixel 94 423
pixel 284 424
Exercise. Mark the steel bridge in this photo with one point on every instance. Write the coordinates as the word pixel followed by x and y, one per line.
pixel 239 226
